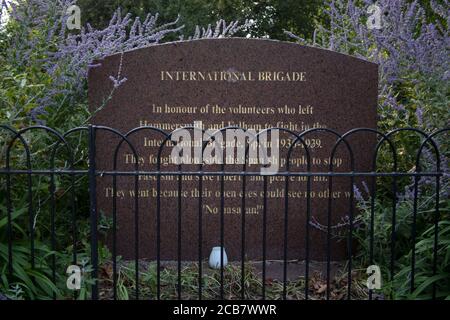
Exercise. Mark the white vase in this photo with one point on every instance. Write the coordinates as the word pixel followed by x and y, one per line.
pixel 215 260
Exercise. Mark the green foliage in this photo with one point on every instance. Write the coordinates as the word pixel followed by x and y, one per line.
pixel 424 278
pixel 211 283
pixel 398 287
pixel 25 85
pixel 271 17
pixel 37 282
pixel 27 281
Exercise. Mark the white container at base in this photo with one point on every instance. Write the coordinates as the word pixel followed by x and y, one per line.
pixel 215 260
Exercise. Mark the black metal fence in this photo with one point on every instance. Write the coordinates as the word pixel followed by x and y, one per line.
pixel 70 165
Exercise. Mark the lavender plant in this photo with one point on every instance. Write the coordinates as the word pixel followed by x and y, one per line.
pixel 43 70
pixel 412 54
pixel 40 40
pixel 221 30
pixel 406 47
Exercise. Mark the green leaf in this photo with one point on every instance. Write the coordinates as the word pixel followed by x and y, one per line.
pixel 429 281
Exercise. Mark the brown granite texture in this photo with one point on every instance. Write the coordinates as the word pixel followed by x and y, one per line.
pixel 342 90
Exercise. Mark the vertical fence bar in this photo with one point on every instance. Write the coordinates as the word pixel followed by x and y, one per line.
pixel 373 194
pixel 222 232
pixel 286 218
pixel 158 232
pixel 52 225
pixel 436 233
pixel 136 229
pixel 200 235
pixel 394 226
pixel 243 214
pixel 308 209
pixel 307 226
pixel 31 213
pixel 330 203
pixel 73 217
pixel 350 238
pixel 264 238
pixel 414 232
pixel 372 226
pixel 114 235
pixel 93 211
pixel 179 234
pixel 9 214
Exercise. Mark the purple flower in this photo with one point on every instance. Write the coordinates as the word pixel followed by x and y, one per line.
pixel 67 57
pixel 117 82
pixel 397 47
pixel 358 195
pixel 419 115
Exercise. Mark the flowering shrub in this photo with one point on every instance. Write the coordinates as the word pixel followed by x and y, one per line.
pixel 39 44
pixel 412 54
pixel 43 70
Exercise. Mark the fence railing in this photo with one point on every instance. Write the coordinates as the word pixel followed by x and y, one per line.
pixel 49 180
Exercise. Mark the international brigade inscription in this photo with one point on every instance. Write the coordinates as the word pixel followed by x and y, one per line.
pixel 248 84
